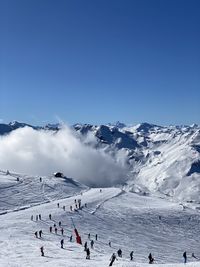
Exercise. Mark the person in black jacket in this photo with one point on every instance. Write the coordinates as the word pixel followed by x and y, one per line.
pixel 151 259
pixel 40 233
pixel 87 254
pixel 131 255
pixel 92 244
pixel 62 243
pixel 119 253
pixel 112 259
pixel 185 257
pixel 85 246
pixel 42 251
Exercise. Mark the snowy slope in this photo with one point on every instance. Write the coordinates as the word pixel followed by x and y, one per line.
pixel 171 163
pixel 22 191
pixel 130 221
pixel 164 160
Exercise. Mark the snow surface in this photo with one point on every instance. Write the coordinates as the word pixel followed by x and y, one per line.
pixel 156 159
pixel 143 223
pixel 156 210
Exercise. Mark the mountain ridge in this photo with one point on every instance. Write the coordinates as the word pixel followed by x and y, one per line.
pixel 162 159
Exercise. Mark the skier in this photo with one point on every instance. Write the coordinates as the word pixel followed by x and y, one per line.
pixel 36 217
pixel 87 254
pixel 119 253
pixel 42 251
pixel 92 244
pixel 50 229
pixel 151 259
pixel 58 205
pixel 40 217
pixel 54 225
pixel 31 217
pixel 64 208
pixel 185 257
pixel 62 231
pixel 40 233
pixel 112 259
pixel 75 201
pixel 100 190
pixel 70 239
pixel 89 236
pixel 40 179
pixel 59 223
pixel 109 244
pixel 61 243
pixel 131 255
pixel 96 237
pixel 76 206
pixel 194 256
pixel 56 230
pixel 85 205
pixel 71 208
pixel 49 216
pixel 79 203
pixel 36 234
pixel 85 246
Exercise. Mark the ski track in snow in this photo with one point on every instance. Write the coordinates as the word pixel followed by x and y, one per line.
pixel 100 204
pixel 128 220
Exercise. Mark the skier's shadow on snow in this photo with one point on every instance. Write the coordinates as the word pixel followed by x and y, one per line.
pixel 48 257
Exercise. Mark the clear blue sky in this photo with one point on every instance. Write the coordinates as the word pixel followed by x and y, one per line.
pixel 98 61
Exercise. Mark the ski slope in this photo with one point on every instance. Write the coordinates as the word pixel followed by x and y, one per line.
pixel 23 191
pixel 130 221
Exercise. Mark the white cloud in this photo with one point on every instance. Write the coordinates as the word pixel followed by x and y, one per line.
pixel 41 153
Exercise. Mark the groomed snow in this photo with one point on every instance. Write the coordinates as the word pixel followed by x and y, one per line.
pixel 130 221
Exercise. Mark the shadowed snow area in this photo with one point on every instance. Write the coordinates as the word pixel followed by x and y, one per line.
pixel 130 221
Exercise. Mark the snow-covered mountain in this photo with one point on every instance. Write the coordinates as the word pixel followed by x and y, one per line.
pixel 156 210
pixel 160 159
pixel 7 128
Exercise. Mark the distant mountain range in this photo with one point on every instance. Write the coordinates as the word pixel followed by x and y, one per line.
pixel 161 159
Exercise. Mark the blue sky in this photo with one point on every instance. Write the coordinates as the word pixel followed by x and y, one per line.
pixel 99 61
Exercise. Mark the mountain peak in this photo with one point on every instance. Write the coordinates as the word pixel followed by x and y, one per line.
pixel 117 124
